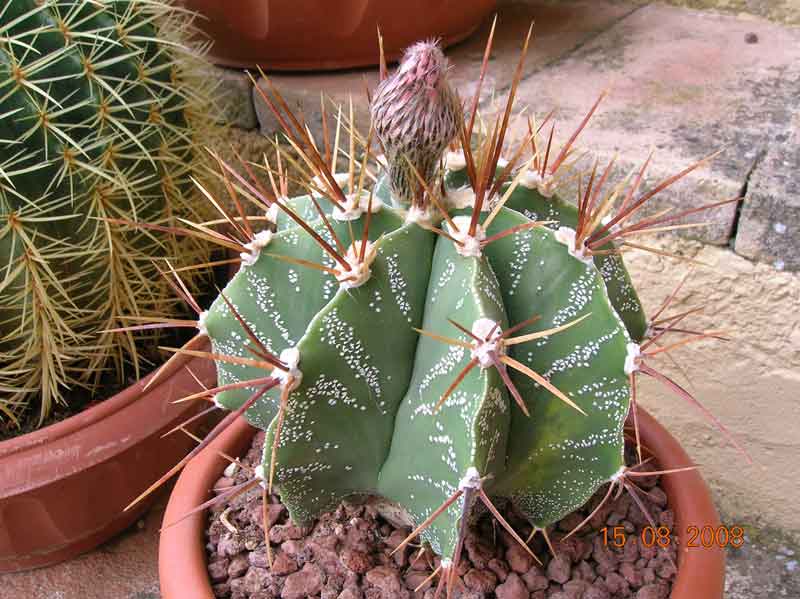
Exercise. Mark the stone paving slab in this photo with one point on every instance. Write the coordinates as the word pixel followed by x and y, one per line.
pixel 769 225
pixel 558 29
pixel 684 83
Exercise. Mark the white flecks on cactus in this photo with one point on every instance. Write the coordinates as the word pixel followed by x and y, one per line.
pixel 491 347
pixel 634 352
pixel 254 247
pixel 466 245
pixel 398 286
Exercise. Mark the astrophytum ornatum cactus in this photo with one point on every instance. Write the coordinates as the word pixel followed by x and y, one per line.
pixel 98 117
pixel 433 348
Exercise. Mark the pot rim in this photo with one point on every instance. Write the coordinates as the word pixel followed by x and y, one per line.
pixel 105 409
pixel 182 557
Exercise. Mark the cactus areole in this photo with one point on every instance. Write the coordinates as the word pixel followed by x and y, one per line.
pixel 455 334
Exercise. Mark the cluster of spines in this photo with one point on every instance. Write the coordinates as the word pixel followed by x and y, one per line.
pixel 102 110
pixel 591 237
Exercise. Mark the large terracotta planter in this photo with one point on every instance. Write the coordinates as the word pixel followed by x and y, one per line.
pixel 182 555
pixel 329 34
pixel 63 488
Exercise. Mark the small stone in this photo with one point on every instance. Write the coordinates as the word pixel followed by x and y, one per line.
pixel 258 558
pixel 751 37
pixel 597 591
pixel 238 566
pixel 357 561
pixel 574 589
pixel 384 578
pixel 305 583
pixel 653 591
pixel 499 568
pixel 559 569
pixel 630 553
pixel 585 571
pixel 518 559
pixel 414 579
pixel 221 590
pixel 283 564
pixel 230 544
pixel 218 570
pixel 283 532
pixel 665 569
pixel 483 581
pixel 325 558
pixel 351 593
pixel 535 580
pixel 616 585
pixel 395 539
pixel 631 574
pixel 256 579
pixel 479 553
pixel 512 588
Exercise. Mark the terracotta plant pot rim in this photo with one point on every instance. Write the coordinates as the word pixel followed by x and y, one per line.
pixel 91 416
pixel 182 554
pixel 63 488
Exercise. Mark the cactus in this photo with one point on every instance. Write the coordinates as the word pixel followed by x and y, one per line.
pixel 447 351
pixel 98 116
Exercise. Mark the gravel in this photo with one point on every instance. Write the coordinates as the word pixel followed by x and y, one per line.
pixel 347 553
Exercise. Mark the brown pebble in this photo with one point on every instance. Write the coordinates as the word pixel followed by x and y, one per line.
pixel 357 561
pixel 385 579
pixel 535 580
pixel 283 564
pixel 559 569
pixel 499 567
pixel 305 583
pixel 632 575
pixel 616 584
pixel 238 566
pixel 218 570
pixel 512 588
pixel 653 591
pixel 519 560
pixel 483 581
pixel 751 37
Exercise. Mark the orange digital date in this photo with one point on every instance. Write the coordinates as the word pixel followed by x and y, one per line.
pixel 707 536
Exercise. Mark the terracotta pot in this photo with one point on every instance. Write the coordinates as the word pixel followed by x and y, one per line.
pixel 182 555
pixel 329 34
pixel 63 488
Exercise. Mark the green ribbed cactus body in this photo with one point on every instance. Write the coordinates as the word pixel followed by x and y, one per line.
pixel 95 110
pixel 364 419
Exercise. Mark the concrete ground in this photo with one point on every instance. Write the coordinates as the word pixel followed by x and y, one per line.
pixel 686 77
